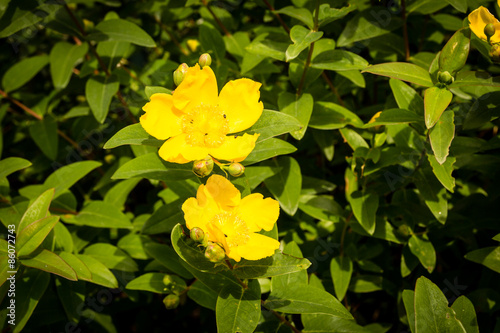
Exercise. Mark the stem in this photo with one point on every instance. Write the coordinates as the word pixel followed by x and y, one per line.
pixel 405 30
pixel 21 105
pixel 332 88
pixel 343 234
pixel 283 24
pixel 219 22
pixel 281 318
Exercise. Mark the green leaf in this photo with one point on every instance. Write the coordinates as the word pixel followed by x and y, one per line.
pixel 111 256
pixel 33 235
pixel 278 264
pixel 422 248
pixel 66 176
pixel 409 301
pixel 163 219
pixel 431 310
pixel 366 283
pixel 300 107
pixel 101 275
pixel 44 133
pixel 364 206
pixel 29 290
pixel 100 214
pixel 202 295
pixel 338 60
pixel 81 270
pixel 306 299
pixel 71 295
pixel 425 7
pixel 190 254
pixel 63 58
pixel 99 91
pixel 151 90
pixel 166 256
pixel 402 71
pixel 327 14
pixel 286 184
pixel 112 52
pixel 267 149
pixel 466 314
pixel 443 171
pixel 22 15
pixel 459 5
pixel 472 78
pixel 151 166
pixel 327 116
pixel 302 39
pixel 132 135
pixel 436 100
pixel 52 263
pixel 363 26
pixel 455 52
pixel 12 164
pixel 37 210
pixel 22 72
pixel 392 117
pixel 238 309
pixel 273 123
pixel 294 278
pixel 433 193
pixel 321 207
pixel 118 194
pixel 268 48
pixel 121 30
pixel 406 97
pixel 154 282
pixel 441 136
pixel 488 256
pixel 211 41
pixel 341 270
pixel 320 323
pixel 482 111
pixel 301 14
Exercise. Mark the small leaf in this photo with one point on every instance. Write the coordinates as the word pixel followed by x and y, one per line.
pixel 294 278
pixel 443 171
pixel 44 133
pixel 267 149
pixel 286 184
pixel 302 39
pixel 112 52
pixel 301 14
pixel 441 136
pixel 433 193
pixel 488 256
pixel 202 295
pixel 12 164
pixel 66 176
pixel 455 52
pixel 341 270
pixel 166 256
pixel 99 214
pixel 63 58
pixel 465 312
pixel 111 256
pixel 409 300
pixel 33 235
pixel 101 275
pixel 402 71
pixel 364 206
pixel 211 41
pixel 52 263
pixel 121 30
pixel 37 210
pixel 406 97
pixel 327 116
pixel 278 264
pixel 22 72
pixel 328 14
pixel 472 78
pixel 99 91
pixel 422 248
pixel 153 282
pixel 118 194
pixel 436 100
pixel 132 135
pixel 392 117
pixel 300 107
pixel 339 61
pixel 71 295
pixel 81 270
pixel 273 123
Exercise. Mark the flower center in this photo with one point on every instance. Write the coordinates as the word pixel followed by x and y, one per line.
pixel 234 228
pixel 205 126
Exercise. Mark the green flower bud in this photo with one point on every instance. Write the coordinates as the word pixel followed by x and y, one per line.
pixel 197 234
pixel 236 169
pixel 205 60
pixel 489 30
pixel 204 167
pixel 171 301
pixel 167 280
pixel 495 53
pixel 214 253
pixel 179 73
pixel 445 77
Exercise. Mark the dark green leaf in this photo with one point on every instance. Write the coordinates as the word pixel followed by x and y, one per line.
pixel 166 256
pixel 302 39
pixel 455 52
pixel 436 100
pixel 132 135
pixel 99 91
pixel 328 14
pixel 441 136
pixel 121 30
pixel 101 275
pixel 44 133
pixel 211 41
pixel 422 248
pixel 22 72
pixel 111 256
pixel 443 171
pixel 37 210
pixel 12 164
pixel 327 115
pixel 364 206
pixel 278 264
pixel 488 256
pixel 393 116
pixel 273 123
pixel 52 263
pixel 99 214
pixel 402 71
pixel 471 78
pixel 154 282
pixel 300 107
pixel 71 295
pixel 202 295
pixel 267 149
pixel 286 184
pixel 81 270
pixel 338 60
pixel 63 58
pixel 33 235
pixel 341 270
pixel 301 14
pixel 433 193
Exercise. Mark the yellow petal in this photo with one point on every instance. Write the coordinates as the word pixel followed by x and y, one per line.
pixel 257 247
pixel 239 99
pixel 259 213
pixel 478 19
pixel 177 150
pixel 198 86
pixel 161 120
pixel 225 194
pixel 235 148
pixel 197 215
pixel 217 236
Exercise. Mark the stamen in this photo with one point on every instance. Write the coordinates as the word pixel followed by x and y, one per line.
pixel 205 126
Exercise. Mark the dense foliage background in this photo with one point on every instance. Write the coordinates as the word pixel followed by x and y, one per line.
pixel 374 204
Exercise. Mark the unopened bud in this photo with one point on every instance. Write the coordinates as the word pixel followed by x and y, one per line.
pixel 214 253
pixel 236 169
pixel 495 53
pixel 171 301
pixel 179 73
pixel 489 30
pixel 205 60
pixel 204 167
pixel 197 234
pixel 445 78
pixel 167 280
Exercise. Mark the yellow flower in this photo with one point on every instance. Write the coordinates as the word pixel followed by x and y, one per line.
pixel 232 221
pixel 196 120
pixel 478 19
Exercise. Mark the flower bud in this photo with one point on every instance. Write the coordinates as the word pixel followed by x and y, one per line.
pixel 445 77
pixel 489 30
pixel 179 73
pixel 495 53
pixel 197 234
pixel 171 301
pixel 236 169
pixel 205 60
pixel 167 280
pixel 214 253
pixel 204 167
